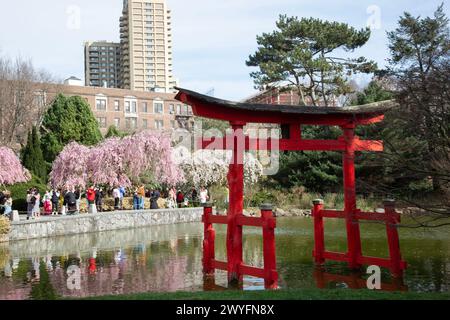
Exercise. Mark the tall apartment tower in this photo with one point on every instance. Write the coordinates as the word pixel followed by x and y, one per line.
pixel 102 62
pixel 146 46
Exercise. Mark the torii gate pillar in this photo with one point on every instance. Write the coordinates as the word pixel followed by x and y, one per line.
pixel 353 230
pixel 236 204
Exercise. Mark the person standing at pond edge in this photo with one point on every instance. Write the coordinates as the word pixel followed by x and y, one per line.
pixel 90 196
pixel 36 213
pixel 70 202
pixel 172 200
pixel 180 199
pixel 141 196
pixel 122 195
pixel 2 202
pixel 99 199
pixel 7 202
pixel 194 196
pixel 116 196
pixel 204 197
pixel 29 204
pixel 55 201
pixel 47 203
pixel 78 199
pixel 154 197
pixel 135 199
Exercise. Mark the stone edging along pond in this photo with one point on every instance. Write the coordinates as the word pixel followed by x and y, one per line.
pixel 108 221
pixel 90 223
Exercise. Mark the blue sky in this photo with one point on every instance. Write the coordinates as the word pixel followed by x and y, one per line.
pixel 212 39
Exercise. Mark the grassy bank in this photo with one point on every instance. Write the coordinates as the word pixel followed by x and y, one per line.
pixel 297 294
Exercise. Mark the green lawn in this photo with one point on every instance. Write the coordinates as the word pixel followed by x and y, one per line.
pixel 300 294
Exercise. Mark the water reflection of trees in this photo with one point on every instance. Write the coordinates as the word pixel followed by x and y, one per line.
pixel 169 258
pixel 163 266
pixel 42 288
pixel 4 256
pixel 169 265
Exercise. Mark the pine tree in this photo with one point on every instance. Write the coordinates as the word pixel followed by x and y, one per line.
pixel 374 92
pixel 68 119
pixel 32 156
pixel 25 152
pixel 316 171
pixel 420 62
pixel 301 54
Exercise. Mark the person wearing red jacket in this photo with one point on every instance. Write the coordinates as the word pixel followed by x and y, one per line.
pixel 180 199
pixel 90 195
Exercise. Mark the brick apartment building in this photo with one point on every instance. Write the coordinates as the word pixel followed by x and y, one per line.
pixel 133 110
pixel 130 111
pixel 275 96
pixel 283 96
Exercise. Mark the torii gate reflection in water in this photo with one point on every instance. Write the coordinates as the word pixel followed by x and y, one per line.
pixel 240 114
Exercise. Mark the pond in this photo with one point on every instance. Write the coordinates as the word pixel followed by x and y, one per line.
pixel 169 258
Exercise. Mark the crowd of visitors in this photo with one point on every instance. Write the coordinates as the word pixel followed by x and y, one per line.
pixel 194 197
pixel 68 202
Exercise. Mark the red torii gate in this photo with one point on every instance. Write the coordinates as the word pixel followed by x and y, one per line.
pixel 240 114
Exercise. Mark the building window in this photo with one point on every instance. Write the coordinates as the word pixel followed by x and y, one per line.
pixel 158 108
pixel 101 104
pixel 130 106
pixel 116 105
pixel 185 111
pixel 178 109
pixel 145 123
pixel 159 124
pixel 102 122
pixel 131 123
pixel 189 110
pixel 145 107
pixel 172 109
pixel 117 123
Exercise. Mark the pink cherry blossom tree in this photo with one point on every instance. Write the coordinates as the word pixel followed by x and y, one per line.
pixel 117 162
pixel 156 156
pixel 70 168
pixel 106 163
pixel 11 170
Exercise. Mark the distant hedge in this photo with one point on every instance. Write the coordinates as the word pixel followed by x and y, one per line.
pixel 19 192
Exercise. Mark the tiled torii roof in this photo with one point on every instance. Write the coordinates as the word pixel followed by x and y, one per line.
pixel 369 109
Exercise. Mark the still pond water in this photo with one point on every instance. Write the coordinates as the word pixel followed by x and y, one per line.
pixel 169 258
